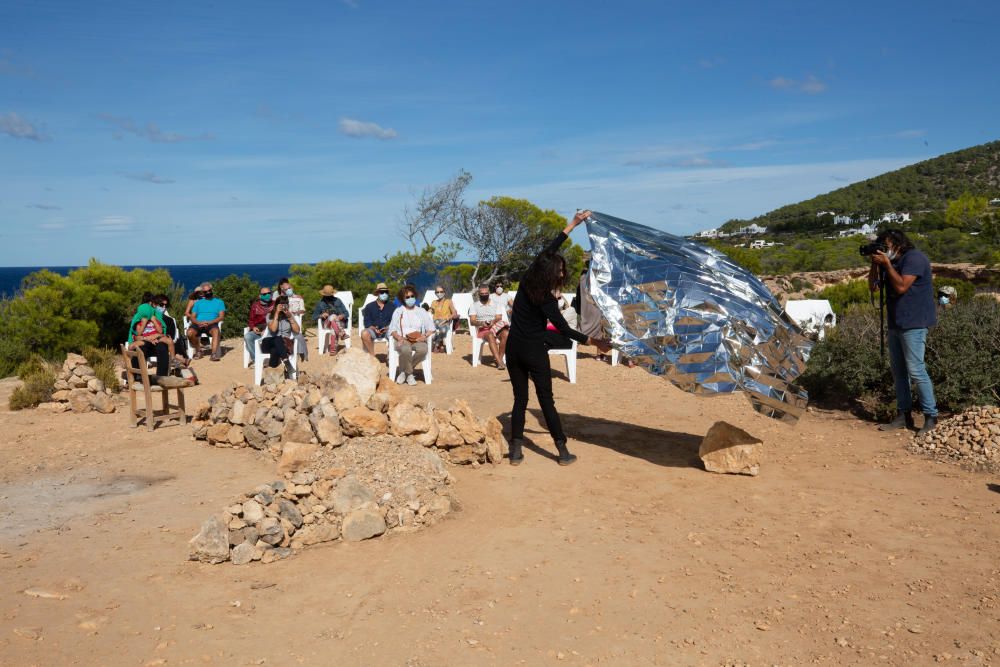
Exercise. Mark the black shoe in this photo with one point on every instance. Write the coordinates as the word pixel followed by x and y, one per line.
pixel 565 458
pixel 901 421
pixel 514 454
pixel 929 424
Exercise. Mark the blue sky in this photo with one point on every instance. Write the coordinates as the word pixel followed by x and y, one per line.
pixel 184 133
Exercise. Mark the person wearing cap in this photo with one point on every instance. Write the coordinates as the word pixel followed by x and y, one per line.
pixel 332 311
pixel 378 317
pixel 257 320
pixel 205 314
pixel 947 296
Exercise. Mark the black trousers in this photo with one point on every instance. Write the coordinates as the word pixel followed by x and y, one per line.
pixel 274 346
pixel 531 360
pixel 158 350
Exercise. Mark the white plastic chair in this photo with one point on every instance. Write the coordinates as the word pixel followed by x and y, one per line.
pixel 615 355
pixel 425 364
pixel 323 334
pixel 463 302
pixel 449 339
pixel 246 352
pixel 204 338
pixel 259 357
pixel 361 320
pixel 570 354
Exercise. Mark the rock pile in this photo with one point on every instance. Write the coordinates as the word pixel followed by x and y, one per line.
pixel 367 488
pixel 972 437
pixel 354 400
pixel 78 388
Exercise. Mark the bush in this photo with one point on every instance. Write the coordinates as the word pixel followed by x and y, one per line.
pixel 38 385
pixel 356 277
pixel 844 295
pixel 104 363
pixel 963 360
pixel 964 288
pixel 237 292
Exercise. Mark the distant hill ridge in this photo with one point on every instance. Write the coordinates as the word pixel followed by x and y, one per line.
pixel 925 185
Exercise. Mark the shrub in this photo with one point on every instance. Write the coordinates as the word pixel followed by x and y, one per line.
pixel 104 363
pixel 963 360
pixel 237 292
pixel 844 295
pixel 31 366
pixel 37 387
pixel 964 288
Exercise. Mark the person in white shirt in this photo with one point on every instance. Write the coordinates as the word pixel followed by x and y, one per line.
pixel 411 327
pixel 502 300
pixel 487 318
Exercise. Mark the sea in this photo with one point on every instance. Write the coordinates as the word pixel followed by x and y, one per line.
pixel 188 275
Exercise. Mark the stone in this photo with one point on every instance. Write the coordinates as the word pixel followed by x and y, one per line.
pixel 239 413
pixel 218 432
pixel 61 395
pixel 270 530
pixel 252 512
pixel 80 400
pixel 242 553
pixel 362 524
pixel 463 419
pixel 73 360
pixel 290 512
pixel 235 437
pixel 463 455
pixel 349 494
pixel 728 449
pixel 103 403
pixel 346 398
pixel 361 421
pixel 61 385
pixel 303 477
pixel 83 371
pixel 296 455
pixel 360 370
pixel 277 553
pixel 448 435
pixel 328 432
pixel 316 533
pixel 211 544
pixel 297 429
pixel 254 437
pixel 273 376
pixel 95 385
pixel 54 407
pixel 495 443
pixel 408 419
pixel 437 466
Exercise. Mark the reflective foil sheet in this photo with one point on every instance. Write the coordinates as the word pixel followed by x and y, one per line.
pixel 685 311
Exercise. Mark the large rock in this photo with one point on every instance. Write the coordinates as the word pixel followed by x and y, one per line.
pixel 362 524
pixel 72 361
pixel 728 449
pixel 463 419
pixel 95 385
pixel 448 435
pixel 211 544
pixel 103 403
pixel 296 456
pixel 495 443
pixel 463 454
pixel 361 421
pixel 315 534
pixel 254 437
pixel 218 432
pixel 408 419
pixel 242 553
pixel 288 511
pixel 329 432
pixel 252 512
pixel 345 398
pixel 349 494
pixel 239 414
pixel 297 429
pixel 272 376
pixel 80 400
pixel 84 371
pixel 236 436
pixel 54 407
pixel 360 370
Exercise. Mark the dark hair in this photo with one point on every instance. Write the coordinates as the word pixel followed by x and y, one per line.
pixel 408 287
pixel 283 280
pixel 898 238
pixel 162 298
pixel 147 297
pixel 283 299
pixel 546 273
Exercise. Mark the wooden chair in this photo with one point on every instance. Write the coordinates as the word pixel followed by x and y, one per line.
pixel 144 385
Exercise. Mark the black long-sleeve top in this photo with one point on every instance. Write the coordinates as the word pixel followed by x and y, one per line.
pixel 528 320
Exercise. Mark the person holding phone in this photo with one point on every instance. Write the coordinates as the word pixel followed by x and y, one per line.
pixel 279 338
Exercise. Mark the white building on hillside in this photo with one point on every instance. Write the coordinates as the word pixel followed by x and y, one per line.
pixel 895 218
pixel 753 229
pixel 843 220
pixel 708 234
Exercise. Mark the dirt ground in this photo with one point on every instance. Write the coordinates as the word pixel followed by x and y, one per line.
pixel 846 550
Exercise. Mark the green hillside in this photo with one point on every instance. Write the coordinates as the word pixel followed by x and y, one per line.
pixel 923 189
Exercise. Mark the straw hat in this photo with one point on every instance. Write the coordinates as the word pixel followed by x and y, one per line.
pixel 327 291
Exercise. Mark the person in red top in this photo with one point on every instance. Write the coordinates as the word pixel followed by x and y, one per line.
pixel 259 311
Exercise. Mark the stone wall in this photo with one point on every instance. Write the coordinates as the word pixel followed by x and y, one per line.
pixel 78 388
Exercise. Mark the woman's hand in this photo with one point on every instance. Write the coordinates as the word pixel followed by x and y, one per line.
pixel 577 219
pixel 600 343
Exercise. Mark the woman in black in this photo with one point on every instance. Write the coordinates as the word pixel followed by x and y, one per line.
pixel 527 353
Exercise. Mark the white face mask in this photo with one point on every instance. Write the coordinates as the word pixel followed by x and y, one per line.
pixel 892 254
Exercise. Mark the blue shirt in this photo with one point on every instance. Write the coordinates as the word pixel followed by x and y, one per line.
pixel 206 310
pixel 375 317
pixel 914 308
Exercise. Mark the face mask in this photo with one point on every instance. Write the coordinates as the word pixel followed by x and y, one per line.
pixel 160 309
pixel 439 295
pixel 499 290
pixel 944 300
pixel 289 292
pixel 265 297
pixel 207 295
pixel 383 297
pixel 410 301
pixel 328 299
pixel 484 298
pixel 892 254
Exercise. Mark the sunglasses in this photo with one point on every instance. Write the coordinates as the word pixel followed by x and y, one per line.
pixel 439 292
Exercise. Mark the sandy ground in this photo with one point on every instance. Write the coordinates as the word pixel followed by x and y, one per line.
pixel 845 550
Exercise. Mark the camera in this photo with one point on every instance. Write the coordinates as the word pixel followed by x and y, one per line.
pixel 869 249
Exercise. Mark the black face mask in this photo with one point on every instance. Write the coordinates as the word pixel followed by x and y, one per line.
pixel 484 297
pixel 329 299
pixel 207 295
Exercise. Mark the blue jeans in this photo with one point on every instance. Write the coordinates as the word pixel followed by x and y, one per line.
pixel 249 338
pixel 906 358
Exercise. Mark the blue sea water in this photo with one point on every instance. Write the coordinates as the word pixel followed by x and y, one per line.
pixel 188 275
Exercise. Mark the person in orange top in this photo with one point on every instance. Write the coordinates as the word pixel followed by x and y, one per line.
pixel 444 314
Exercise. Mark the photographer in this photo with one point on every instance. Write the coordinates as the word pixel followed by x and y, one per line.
pixel 278 339
pixel 905 274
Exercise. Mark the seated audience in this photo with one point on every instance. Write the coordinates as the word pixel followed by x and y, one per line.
pixel 410 327
pixel 331 310
pixel 488 322
pixel 445 315
pixel 279 338
pixel 502 300
pixel 205 314
pixel 260 309
pixel 378 317
pixel 173 331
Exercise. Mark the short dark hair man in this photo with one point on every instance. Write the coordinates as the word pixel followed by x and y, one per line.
pixel 910 301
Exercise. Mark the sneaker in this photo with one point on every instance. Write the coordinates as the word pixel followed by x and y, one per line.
pixel 216 356
pixel 901 421
pixel 411 380
pixel 401 378
pixel 929 424
pixel 171 381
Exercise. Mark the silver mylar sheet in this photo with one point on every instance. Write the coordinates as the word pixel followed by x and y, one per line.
pixel 687 312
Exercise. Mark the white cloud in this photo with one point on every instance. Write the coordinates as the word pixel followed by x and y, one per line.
pixel 811 84
pixel 361 129
pixel 50 226
pixel 44 207
pixel 15 126
pixel 149 177
pixel 150 131
pixel 114 224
